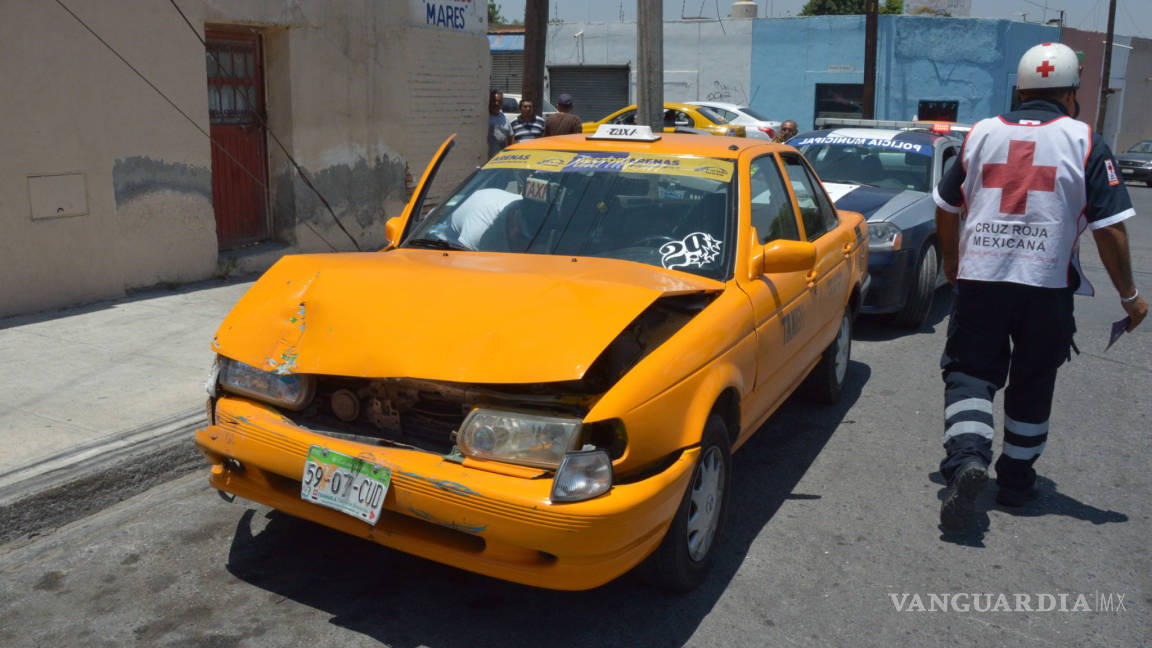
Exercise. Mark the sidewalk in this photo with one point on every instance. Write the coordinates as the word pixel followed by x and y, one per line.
pixel 93 389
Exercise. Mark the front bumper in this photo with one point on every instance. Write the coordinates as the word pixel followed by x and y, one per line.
pixel 1135 174
pixel 890 273
pixel 488 522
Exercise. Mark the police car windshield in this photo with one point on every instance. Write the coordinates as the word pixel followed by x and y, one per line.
pixel 879 162
pixel 673 212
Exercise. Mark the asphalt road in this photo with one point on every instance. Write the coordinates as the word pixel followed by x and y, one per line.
pixel 833 534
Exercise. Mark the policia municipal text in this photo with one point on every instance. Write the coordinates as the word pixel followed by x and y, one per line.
pixel 1030 181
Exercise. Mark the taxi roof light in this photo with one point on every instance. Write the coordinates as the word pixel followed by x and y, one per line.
pixel 624 132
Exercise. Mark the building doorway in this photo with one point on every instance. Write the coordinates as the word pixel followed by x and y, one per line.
pixel 239 154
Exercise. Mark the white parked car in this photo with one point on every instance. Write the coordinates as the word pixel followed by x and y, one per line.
pixel 756 125
pixel 511 107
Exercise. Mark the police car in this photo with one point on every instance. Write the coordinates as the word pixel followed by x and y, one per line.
pixel 543 378
pixel 887 170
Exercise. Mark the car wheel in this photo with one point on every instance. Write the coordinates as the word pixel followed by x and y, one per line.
pixel 826 382
pixel 921 292
pixel 689 547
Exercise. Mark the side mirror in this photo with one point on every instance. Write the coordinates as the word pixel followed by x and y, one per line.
pixel 789 256
pixel 755 255
pixel 392 229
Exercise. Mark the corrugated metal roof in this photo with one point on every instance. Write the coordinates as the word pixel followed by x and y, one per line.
pixel 506 42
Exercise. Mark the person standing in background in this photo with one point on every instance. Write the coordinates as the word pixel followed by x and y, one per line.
pixel 499 131
pixel 564 122
pixel 788 130
pixel 528 125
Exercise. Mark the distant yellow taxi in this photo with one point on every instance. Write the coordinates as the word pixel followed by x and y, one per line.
pixel 544 378
pixel 676 116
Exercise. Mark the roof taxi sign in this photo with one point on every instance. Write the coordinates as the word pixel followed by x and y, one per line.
pixel 624 132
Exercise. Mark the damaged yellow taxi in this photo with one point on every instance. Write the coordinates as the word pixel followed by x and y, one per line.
pixel 542 380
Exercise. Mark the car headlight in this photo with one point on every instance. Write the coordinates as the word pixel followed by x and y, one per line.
pixel 517 437
pixel 582 475
pixel 292 391
pixel 883 236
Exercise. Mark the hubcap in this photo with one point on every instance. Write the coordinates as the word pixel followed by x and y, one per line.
pixel 704 505
pixel 843 340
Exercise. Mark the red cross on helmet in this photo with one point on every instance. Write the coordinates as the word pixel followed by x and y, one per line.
pixel 1048 65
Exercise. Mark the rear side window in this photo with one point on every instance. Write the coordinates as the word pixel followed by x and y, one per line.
pixel 816 211
pixel 772 213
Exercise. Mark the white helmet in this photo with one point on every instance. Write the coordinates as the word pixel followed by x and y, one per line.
pixel 1048 65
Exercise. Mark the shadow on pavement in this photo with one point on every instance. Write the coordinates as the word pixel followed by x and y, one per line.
pixel 406 601
pixel 879 328
pixel 1050 502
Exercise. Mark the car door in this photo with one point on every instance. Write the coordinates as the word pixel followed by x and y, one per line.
pixel 781 302
pixel 398 227
pixel 830 280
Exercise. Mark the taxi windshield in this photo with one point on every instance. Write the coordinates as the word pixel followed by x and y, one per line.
pixel 879 162
pixel 668 211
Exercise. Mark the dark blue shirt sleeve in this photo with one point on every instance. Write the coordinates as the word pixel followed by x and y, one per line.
pixel 1108 200
pixel 949 194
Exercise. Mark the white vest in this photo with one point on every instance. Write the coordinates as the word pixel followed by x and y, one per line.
pixel 1025 192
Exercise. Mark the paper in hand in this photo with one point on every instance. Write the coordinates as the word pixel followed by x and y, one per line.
pixel 1118 329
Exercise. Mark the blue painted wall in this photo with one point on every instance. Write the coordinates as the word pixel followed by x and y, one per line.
pixel 972 61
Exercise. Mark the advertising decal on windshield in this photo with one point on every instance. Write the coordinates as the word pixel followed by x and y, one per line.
pixel 696 250
pixel 614 161
pixel 894 145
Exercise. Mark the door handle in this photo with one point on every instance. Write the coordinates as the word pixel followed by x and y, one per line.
pixel 848 247
pixel 810 277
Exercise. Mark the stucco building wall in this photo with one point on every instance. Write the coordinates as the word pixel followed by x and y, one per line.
pixel 356 92
pixel 703 59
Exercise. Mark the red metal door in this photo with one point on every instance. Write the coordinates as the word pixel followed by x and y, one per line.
pixel 239 157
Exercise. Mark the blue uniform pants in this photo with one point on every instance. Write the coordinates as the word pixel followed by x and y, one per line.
pixel 1001 332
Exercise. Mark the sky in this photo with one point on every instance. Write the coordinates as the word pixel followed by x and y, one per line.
pixel 1133 17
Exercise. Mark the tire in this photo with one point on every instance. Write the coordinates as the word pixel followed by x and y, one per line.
pixel 686 554
pixel 826 382
pixel 922 290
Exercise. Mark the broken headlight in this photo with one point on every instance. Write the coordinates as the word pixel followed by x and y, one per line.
pixel 517 437
pixel 292 391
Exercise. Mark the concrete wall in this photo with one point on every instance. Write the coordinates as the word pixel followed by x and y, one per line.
pixel 1137 96
pixel 703 59
pixel 356 92
pixel 971 61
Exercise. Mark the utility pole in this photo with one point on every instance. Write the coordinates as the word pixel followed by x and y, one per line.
pixel 535 40
pixel 871 9
pixel 650 63
pixel 1106 75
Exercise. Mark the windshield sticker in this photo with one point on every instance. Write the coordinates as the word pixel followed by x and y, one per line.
pixel 614 162
pixel 536 189
pixel 695 251
pixel 892 145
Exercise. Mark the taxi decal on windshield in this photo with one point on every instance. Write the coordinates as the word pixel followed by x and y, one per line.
pixel 614 161
pixel 698 249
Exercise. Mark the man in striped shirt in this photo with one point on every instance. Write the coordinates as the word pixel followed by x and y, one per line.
pixel 527 126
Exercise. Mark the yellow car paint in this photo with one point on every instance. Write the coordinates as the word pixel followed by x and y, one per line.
pixel 693 112
pixel 528 319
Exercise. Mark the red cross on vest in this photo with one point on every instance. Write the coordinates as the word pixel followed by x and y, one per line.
pixel 1044 68
pixel 1018 176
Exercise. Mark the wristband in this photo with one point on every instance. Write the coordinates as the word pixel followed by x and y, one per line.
pixel 1129 300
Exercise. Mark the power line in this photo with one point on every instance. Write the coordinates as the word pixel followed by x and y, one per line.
pixel 172 103
pixel 295 165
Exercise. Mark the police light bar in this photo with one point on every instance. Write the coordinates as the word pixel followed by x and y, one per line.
pixel 941 127
pixel 622 132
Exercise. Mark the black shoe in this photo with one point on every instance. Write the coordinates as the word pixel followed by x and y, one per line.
pixel 1014 497
pixel 960 499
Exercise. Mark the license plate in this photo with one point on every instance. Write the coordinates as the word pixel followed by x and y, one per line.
pixel 1126 171
pixel 344 483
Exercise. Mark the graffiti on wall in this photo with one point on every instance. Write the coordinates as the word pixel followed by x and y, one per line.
pixel 727 92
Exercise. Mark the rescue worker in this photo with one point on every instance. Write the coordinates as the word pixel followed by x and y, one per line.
pixel 1030 181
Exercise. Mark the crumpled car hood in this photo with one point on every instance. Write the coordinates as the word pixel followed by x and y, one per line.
pixel 463 317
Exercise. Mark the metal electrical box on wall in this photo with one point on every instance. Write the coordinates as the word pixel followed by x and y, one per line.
pixel 57 196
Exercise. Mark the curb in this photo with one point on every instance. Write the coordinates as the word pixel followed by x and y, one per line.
pixel 82 480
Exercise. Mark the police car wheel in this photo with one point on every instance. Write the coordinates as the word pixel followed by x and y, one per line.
pixel 921 291
pixel 826 382
pixel 686 554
